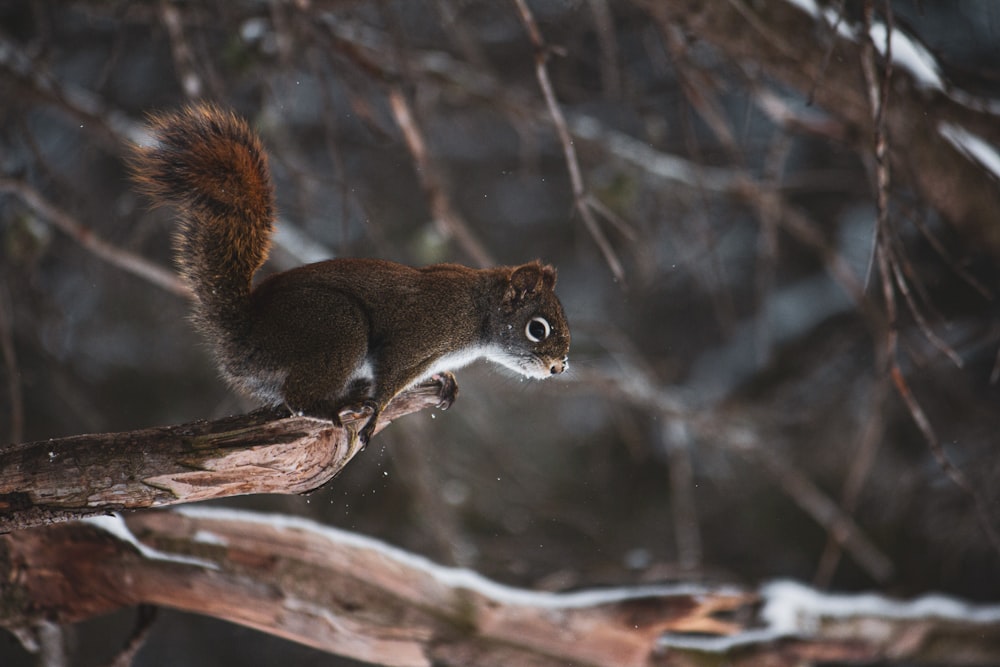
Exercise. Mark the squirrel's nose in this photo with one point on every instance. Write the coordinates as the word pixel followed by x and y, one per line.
pixel 559 366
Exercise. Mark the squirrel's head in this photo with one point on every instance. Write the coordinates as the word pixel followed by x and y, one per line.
pixel 531 333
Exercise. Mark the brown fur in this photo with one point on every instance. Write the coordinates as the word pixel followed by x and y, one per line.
pixel 346 334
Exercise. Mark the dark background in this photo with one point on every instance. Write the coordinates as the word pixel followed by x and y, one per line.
pixel 725 323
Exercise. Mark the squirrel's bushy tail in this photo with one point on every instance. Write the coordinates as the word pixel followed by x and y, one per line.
pixel 212 166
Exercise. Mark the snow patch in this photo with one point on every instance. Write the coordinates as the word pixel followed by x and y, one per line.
pixel 115 525
pixel 208 537
pixel 719 644
pixel 972 145
pixel 792 608
pixel 456 578
pixel 910 55
pixel 808 6
pixel 304 248
pixel 907 52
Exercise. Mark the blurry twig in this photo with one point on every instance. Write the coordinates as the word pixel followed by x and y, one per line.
pixel 829 52
pixel 768 202
pixel 145 616
pixel 863 459
pixel 878 97
pixel 10 363
pixel 80 103
pixel 747 435
pixel 817 504
pixel 318 62
pixel 114 255
pixel 446 215
pixel 582 199
pixel 436 518
pixel 450 221
pixel 656 163
pixel 944 461
pixel 952 263
pixel 700 91
pixel 180 49
pixel 677 442
pixel 469 44
pixel 604 25
pixel 770 205
pixel 768 246
pixel 284 36
pixel 773 211
pixel 924 326
pixel 791 118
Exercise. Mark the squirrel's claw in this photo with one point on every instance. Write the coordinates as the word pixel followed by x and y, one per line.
pixel 366 411
pixel 354 413
pixel 368 431
pixel 448 390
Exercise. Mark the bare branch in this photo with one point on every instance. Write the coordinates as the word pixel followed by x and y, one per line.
pixel 747 435
pixel 818 505
pixel 180 49
pixel 354 596
pixel 904 288
pixel 123 259
pixel 581 199
pixel 863 460
pixel 677 442
pixel 9 355
pixel 604 24
pixel 78 102
pixel 450 219
pixel 949 468
pixel 878 96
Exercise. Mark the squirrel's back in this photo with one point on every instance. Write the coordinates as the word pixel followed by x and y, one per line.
pixel 211 165
pixel 335 335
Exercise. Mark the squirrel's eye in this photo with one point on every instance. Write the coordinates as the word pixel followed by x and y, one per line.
pixel 538 329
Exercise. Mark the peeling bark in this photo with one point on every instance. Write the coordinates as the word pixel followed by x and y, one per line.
pixel 354 596
pixel 262 452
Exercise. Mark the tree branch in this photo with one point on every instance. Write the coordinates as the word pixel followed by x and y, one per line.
pixel 86 237
pixel 262 452
pixel 583 201
pixel 354 596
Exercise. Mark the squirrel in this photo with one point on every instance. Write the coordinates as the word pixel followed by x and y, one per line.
pixel 338 338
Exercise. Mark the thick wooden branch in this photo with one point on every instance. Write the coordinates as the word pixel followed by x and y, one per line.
pixel 262 452
pixel 353 596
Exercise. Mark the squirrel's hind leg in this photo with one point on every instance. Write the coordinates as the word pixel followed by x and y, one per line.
pixel 343 407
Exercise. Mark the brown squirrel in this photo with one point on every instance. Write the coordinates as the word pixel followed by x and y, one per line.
pixel 339 337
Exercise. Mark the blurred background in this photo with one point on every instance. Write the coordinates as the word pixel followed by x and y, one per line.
pixel 729 415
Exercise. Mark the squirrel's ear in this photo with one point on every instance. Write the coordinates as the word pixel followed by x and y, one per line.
pixel 527 279
pixel 548 277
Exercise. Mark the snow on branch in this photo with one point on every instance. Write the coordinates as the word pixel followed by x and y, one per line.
pixel 354 596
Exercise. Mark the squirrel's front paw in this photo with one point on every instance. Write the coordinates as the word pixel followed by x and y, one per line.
pixel 448 390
